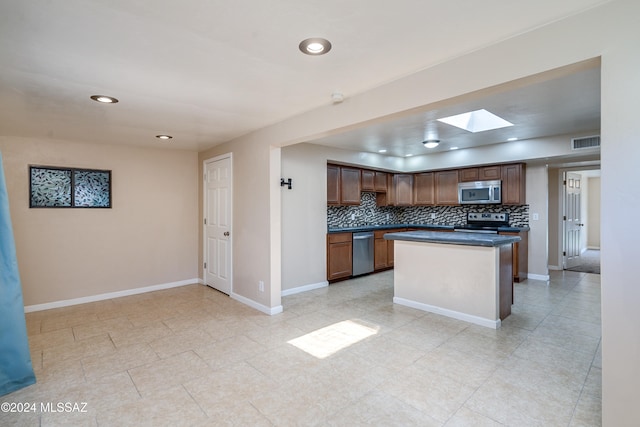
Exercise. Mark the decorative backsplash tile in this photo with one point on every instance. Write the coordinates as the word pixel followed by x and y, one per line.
pixel 368 213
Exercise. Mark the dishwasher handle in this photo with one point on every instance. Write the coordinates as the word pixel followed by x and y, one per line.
pixel 359 236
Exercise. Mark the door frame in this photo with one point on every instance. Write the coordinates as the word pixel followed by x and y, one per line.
pixel 555 214
pixel 204 213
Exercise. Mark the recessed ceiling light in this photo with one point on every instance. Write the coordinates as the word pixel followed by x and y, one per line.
pixel 512 139
pixel 104 99
pixel 382 151
pixel 453 148
pixel 315 46
pixel 164 136
pixel 476 121
pixel 431 143
pixel 408 155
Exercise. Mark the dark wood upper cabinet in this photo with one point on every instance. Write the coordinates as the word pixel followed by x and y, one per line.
pixel 483 173
pixel 424 189
pixel 368 180
pixel 380 182
pixel 403 183
pixel 388 198
pixel 469 174
pixel 333 185
pixel 440 188
pixel 490 173
pixel 343 185
pixel 373 181
pixel 349 186
pixel 446 187
pixel 513 184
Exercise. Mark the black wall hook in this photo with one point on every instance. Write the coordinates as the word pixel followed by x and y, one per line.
pixel 283 183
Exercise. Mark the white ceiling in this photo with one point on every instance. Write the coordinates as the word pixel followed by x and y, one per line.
pixel 208 71
pixel 563 101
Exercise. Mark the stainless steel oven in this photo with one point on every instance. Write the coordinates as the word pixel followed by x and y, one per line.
pixel 480 192
pixel 484 222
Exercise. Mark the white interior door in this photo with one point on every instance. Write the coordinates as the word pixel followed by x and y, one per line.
pixel 217 218
pixel 572 220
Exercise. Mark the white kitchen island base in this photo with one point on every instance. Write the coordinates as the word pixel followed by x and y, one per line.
pixel 463 281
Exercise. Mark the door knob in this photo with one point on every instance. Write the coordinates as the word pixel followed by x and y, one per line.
pixel 226 233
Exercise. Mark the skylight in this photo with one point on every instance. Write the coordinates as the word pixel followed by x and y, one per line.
pixel 476 121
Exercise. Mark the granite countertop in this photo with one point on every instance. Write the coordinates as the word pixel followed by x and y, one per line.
pixel 468 239
pixel 418 226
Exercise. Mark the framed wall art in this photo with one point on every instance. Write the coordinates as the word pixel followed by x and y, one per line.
pixel 58 187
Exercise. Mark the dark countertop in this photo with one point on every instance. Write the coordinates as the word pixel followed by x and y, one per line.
pixel 418 226
pixel 468 239
pixel 386 227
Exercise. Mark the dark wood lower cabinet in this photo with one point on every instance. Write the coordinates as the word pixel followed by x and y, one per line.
pixel 339 256
pixel 380 254
pixel 506 282
pixel 520 255
pixel 383 249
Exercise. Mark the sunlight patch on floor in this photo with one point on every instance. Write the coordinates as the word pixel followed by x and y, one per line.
pixel 326 341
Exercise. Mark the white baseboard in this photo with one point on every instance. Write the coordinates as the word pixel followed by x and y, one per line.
pixel 304 288
pixel 494 324
pixel 110 295
pixel 595 248
pixel 251 303
pixel 538 277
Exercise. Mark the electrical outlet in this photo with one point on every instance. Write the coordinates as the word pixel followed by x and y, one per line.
pixel 536 217
pixel 261 286
pixel 387 217
pixel 433 216
pixel 353 216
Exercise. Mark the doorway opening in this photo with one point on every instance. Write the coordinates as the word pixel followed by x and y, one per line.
pixel 580 221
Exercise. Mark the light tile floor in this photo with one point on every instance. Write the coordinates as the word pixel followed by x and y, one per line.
pixel 194 357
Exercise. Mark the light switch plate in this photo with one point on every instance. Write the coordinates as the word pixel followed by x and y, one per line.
pixel 536 217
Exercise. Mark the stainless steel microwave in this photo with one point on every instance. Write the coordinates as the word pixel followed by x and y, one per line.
pixel 480 192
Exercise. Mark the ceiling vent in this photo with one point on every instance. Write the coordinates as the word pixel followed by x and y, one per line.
pixel 585 142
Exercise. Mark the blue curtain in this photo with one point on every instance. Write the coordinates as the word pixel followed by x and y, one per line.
pixel 16 371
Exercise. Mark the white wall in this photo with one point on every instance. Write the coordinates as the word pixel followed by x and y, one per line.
pixel 620 149
pixel 148 238
pixel 593 223
pixel 256 193
pixel 304 217
pixel 537 199
pixel 555 238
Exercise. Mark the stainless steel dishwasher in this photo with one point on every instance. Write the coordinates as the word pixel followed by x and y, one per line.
pixel 362 253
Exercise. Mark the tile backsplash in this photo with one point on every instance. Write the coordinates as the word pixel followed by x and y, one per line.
pixel 368 213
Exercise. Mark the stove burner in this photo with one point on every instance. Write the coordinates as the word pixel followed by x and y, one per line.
pixel 484 222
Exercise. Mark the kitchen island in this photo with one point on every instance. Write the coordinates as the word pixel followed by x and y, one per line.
pixel 467 276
